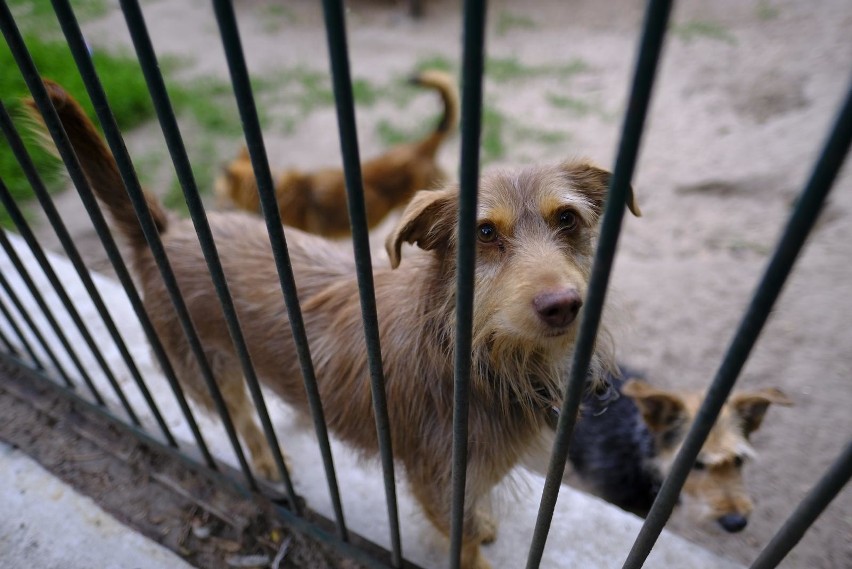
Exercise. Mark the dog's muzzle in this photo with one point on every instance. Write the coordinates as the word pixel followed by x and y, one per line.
pixel 558 309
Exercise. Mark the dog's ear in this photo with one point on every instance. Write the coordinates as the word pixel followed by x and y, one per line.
pixel 661 410
pixel 428 221
pixel 751 406
pixel 594 182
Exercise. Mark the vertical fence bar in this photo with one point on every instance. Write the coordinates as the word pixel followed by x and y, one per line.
pixel 473 64
pixel 54 126
pixel 241 83
pixel 55 219
pixel 174 141
pixel 806 513
pixel 650 47
pixel 27 166
pixel 792 240
pixel 335 27
pixel 9 347
pixel 25 315
pixel 47 269
pixel 19 334
pixel 48 314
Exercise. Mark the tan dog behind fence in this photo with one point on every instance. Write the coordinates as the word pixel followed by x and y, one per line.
pixel 537 231
pixel 624 448
pixel 316 201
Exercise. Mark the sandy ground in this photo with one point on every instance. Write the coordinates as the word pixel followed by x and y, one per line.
pixel 744 97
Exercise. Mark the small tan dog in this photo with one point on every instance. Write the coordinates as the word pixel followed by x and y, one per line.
pixel 537 231
pixel 623 449
pixel 316 201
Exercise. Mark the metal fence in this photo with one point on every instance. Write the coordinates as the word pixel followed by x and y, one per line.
pixel 23 326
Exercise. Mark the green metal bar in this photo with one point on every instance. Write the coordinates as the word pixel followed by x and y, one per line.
pixel 177 150
pixel 798 227
pixel 17 217
pixel 54 127
pixel 241 83
pixel 67 242
pixel 49 208
pixel 473 65
pixel 650 47
pixel 22 337
pixel 48 314
pixel 335 28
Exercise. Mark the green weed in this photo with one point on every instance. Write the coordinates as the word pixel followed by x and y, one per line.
pixel 576 106
pixel 694 29
pixel 766 12
pixel 502 70
pixel 122 80
pixel 438 62
pixel 38 16
pixel 506 21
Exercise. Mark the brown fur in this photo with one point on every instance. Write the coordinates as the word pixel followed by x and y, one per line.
pixel 714 488
pixel 519 361
pixel 316 201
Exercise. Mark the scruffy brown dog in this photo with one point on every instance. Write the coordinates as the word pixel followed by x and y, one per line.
pixel 316 201
pixel 537 232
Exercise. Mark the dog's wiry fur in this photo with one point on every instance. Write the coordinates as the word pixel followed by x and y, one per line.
pixel 531 273
pixel 623 449
pixel 316 201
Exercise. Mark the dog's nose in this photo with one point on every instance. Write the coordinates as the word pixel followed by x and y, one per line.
pixel 558 309
pixel 732 523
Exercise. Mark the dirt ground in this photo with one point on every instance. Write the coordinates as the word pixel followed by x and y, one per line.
pixel 745 95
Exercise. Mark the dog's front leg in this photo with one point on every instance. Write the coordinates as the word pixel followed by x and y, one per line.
pixel 479 527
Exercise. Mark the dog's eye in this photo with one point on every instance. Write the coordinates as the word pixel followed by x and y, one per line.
pixel 738 461
pixel 699 465
pixel 487 232
pixel 567 220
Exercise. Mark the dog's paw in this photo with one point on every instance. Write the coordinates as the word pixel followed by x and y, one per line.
pixel 487 528
pixel 479 563
pixel 266 468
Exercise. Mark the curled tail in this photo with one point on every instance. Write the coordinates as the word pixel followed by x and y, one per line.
pixel 446 86
pixel 99 165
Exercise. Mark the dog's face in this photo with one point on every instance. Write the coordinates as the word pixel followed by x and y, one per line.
pixel 714 489
pixel 536 233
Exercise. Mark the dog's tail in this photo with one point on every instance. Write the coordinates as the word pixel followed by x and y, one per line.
pixel 98 164
pixel 446 86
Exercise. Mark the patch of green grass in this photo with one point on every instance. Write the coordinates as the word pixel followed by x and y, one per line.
pixel 576 106
pixel 539 136
pixel 148 164
pixel 275 15
pixel 364 92
pixel 694 29
pixel 38 16
pixel 493 143
pixel 391 135
pixel 438 62
pixel 507 21
pixel 506 69
pixel 765 11
pixel 122 80
pixel 316 92
pixel 204 159
pixel 573 67
pixel 210 102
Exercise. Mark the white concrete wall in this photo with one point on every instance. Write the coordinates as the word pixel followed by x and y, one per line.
pixel 586 532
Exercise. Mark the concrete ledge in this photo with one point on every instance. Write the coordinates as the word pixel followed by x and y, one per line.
pixel 45 523
pixel 586 532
